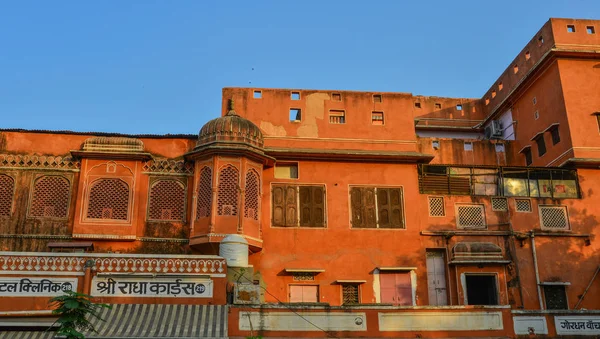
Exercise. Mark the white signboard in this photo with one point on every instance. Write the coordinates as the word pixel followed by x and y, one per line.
pixel 36 287
pixel 163 287
pixel 577 325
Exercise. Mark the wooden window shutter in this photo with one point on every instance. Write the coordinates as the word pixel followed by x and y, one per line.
pixel 396 211
pixel 383 207
pixel 357 207
pixel 306 206
pixel 370 207
pixel 278 195
pixel 318 210
pixel 291 206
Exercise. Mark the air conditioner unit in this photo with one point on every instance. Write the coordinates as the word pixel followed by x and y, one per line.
pixel 493 130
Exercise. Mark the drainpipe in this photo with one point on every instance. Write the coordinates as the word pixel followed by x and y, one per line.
pixel 537 273
pixel 513 249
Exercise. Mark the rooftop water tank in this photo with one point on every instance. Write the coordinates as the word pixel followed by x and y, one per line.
pixel 234 248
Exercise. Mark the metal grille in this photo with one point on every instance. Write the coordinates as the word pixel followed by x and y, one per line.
pixel 555 297
pixel 350 294
pixel 167 200
pixel 109 199
pixel 436 207
pixel 7 191
pixel 304 276
pixel 470 216
pixel 227 199
pixel 252 195
pixel 50 197
pixel 204 194
pixel 554 217
pixel 523 205
pixel 499 204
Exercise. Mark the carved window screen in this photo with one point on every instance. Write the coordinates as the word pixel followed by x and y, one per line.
pixel 436 207
pixel 523 205
pixel 108 200
pixel 227 200
pixel 204 194
pixel 470 216
pixel 7 191
pixel 554 217
pixel 252 197
pixel 499 204
pixel 167 200
pixel 50 197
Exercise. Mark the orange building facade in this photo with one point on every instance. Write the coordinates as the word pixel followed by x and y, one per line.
pixel 358 214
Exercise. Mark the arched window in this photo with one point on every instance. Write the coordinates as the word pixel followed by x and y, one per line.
pixel 7 192
pixel 252 196
pixel 108 200
pixel 166 200
pixel 227 200
pixel 204 194
pixel 50 197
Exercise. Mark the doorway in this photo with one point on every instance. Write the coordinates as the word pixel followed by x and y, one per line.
pixel 481 289
pixel 436 278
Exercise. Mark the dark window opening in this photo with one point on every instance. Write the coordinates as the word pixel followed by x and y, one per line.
pixel 590 30
pixel 257 94
pixel 541 145
pixel 481 290
pixel 336 97
pixel 438 105
pixel 295 95
pixel 555 135
pixel 350 294
pixel 571 28
pixel 459 107
pixel 528 157
pixel 540 40
pixel 377 98
pixel 417 105
pixel 555 297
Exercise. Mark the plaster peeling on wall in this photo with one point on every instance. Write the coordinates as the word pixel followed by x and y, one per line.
pixel 272 130
pixel 315 109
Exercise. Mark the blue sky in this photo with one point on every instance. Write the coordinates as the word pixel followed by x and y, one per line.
pixel 158 67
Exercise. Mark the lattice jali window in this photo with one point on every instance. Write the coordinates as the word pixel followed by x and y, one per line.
pixel 252 196
pixel 554 217
pixel 470 216
pixel 523 205
pixel 108 200
pixel 436 207
pixel 7 192
pixel 204 193
pixel 227 198
pixel 499 204
pixel 50 197
pixel 350 294
pixel 304 276
pixel 166 200
pixel 555 297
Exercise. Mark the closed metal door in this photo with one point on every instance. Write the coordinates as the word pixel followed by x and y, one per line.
pixel 436 278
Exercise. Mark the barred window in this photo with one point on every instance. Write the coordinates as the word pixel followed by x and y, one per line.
pixel 7 192
pixel 298 205
pixel 108 200
pixel 166 200
pixel 252 196
pixel 204 194
pixel 227 199
pixel 377 207
pixel 350 294
pixel 50 197
pixel 555 297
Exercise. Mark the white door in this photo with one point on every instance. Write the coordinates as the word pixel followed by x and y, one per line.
pixel 436 278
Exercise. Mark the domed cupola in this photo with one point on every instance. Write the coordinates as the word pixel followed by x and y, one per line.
pixel 230 129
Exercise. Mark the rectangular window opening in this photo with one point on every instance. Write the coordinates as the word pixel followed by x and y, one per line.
pixel 500 86
pixel 499 148
pixel 468 146
pixel 336 97
pixel 481 289
pixel 541 145
pixel 540 40
pixel 337 116
pixel 295 95
pixel 350 294
pixel 286 171
pixel 377 98
pixel 417 105
pixel 295 114
pixel 590 30
pixel 298 205
pixel 515 69
pixel 438 105
pixel 377 207
pixel 459 107
pixel 527 55
pixel 493 94
pixel 571 28
pixel 555 135
pixel 487 101
pixel 377 118
pixel 555 297
pixel 257 94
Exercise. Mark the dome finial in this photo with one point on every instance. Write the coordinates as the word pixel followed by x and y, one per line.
pixel 231 110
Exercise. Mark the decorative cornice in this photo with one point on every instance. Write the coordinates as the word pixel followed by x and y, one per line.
pixel 47 162
pixel 168 166
pixel 113 144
